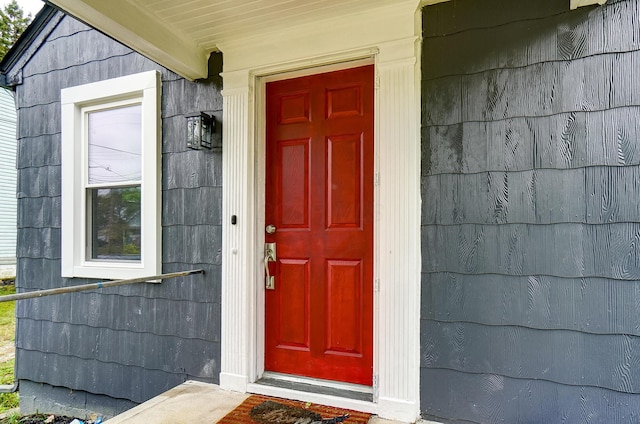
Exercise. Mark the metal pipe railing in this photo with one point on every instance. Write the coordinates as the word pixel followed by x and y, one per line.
pixel 93 286
pixel 11 388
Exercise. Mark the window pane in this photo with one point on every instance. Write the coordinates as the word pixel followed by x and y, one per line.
pixel 115 223
pixel 115 142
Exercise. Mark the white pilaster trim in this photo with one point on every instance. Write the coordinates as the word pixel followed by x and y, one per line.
pixel 397 233
pixel 238 312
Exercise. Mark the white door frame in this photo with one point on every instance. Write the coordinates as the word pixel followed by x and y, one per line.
pixel 387 37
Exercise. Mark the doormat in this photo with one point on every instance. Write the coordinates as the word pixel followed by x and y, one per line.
pixel 242 413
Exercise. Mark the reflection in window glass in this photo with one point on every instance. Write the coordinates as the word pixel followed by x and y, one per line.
pixel 115 223
pixel 115 142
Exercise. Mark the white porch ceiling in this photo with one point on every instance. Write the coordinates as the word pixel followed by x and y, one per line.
pixel 181 34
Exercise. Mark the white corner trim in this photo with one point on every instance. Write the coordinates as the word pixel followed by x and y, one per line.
pixel 579 3
pixel 390 38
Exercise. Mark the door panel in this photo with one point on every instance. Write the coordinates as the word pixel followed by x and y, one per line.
pixel 293 301
pixel 344 303
pixel 293 202
pixel 344 187
pixel 319 196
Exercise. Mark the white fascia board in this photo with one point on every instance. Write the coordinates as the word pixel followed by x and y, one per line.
pixel 430 2
pixel 143 32
pixel 579 3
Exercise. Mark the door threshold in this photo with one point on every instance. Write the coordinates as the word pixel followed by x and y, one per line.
pixel 324 392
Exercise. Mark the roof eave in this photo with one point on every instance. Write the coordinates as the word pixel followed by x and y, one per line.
pixel 22 45
pixel 142 32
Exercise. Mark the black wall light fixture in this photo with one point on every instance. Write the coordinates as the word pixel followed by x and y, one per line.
pixel 202 132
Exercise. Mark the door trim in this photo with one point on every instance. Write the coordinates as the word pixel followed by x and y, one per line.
pixel 392 44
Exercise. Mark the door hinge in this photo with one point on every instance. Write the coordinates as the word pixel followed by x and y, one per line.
pixel 376 285
pixel 376 179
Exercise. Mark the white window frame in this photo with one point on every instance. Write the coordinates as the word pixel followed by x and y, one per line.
pixel 143 88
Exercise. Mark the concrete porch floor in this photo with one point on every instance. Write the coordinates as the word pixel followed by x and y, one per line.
pixel 190 403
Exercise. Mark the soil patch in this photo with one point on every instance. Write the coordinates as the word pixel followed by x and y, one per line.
pixel 41 419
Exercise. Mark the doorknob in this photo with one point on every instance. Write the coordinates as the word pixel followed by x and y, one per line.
pixel 269 256
pixel 270 229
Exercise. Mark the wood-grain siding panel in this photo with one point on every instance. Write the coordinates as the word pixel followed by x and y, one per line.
pixel 522 43
pixel 159 316
pixel 563 36
pixel 39 151
pixel 539 196
pixel 39 120
pixel 44 89
pixel 589 305
pixel 449 18
pixel 182 97
pixel 79 48
pixel 452 396
pixel 39 243
pixel 36 397
pixel 39 181
pixel 534 91
pixel 127 348
pixel 179 206
pixel 37 273
pixel 562 250
pixel 192 244
pixel 94 376
pixel 612 194
pixel 595 195
pixel 39 212
pixel 191 169
pixel 67 27
pixel 444 99
pixel 566 357
pixel 563 141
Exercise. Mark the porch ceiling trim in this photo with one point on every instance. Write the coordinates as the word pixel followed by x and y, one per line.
pixel 181 37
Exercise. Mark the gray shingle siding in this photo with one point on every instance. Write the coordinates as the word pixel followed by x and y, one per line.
pixel 124 345
pixel 530 219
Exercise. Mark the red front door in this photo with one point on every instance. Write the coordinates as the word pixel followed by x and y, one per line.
pixel 319 196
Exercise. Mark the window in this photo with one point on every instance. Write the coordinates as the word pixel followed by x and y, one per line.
pixel 111 178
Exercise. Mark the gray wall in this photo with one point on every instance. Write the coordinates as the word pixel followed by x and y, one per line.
pixel 531 212
pixel 104 351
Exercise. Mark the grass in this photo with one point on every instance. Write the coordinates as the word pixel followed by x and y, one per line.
pixel 7 315
pixel 11 419
pixel 7 335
